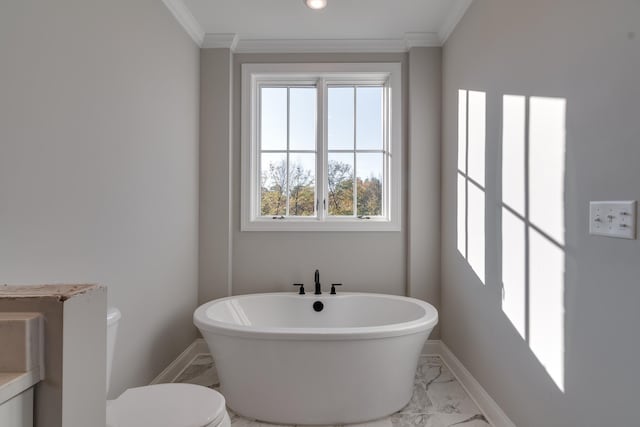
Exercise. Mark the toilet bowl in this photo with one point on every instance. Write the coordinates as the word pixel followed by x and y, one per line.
pixel 161 405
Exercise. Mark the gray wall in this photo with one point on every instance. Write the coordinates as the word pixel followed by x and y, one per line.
pixel 589 53
pixel 272 261
pixel 423 186
pixel 216 73
pixel 99 164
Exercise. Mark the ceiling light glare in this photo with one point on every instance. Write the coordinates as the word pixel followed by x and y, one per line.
pixel 315 4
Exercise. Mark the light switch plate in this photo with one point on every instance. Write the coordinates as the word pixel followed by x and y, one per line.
pixel 613 219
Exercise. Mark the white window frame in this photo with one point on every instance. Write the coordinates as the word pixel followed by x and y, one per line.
pixel 255 75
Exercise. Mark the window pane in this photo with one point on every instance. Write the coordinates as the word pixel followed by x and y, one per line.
pixel 369 168
pixel 302 119
pixel 302 188
pixel 340 183
pixel 369 118
pixel 273 183
pixel 341 127
pixel 273 119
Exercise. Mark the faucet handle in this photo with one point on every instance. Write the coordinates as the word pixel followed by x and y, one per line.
pixel 333 288
pixel 301 288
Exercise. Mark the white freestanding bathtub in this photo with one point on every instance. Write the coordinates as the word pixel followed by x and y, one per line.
pixel 281 361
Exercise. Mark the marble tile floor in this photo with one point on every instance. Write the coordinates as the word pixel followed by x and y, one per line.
pixel 438 398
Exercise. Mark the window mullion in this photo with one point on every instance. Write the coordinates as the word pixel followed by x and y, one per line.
pixel 257 157
pixel 355 165
pixel 288 143
pixel 386 155
pixel 321 149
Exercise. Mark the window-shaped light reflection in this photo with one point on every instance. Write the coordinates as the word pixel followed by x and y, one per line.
pixel 513 270
pixel 533 225
pixel 462 170
pixel 477 117
pixel 475 220
pixel 547 135
pixel 462 215
pixel 513 198
pixel 546 305
pixel 513 150
pixel 462 131
pixel 471 170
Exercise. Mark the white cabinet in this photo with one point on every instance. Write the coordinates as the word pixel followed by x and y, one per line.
pixel 18 411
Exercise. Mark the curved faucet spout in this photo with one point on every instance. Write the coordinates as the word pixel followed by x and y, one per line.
pixel 317 280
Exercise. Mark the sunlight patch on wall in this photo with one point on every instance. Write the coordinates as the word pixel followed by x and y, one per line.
pixel 513 152
pixel 546 305
pixel 513 270
pixel 477 135
pixel 533 258
pixel 462 130
pixel 462 215
pixel 546 165
pixel 513 211
pixel 471 179
pixel 475 234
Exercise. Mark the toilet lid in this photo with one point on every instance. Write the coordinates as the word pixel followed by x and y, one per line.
pixel 167 405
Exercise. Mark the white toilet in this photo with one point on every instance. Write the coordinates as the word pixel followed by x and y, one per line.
pixel 161 405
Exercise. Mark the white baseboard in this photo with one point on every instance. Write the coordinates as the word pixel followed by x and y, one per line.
pixel 490 409
pixel 176 367
pixel 432 348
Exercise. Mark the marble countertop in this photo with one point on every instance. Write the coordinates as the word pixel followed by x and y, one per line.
pixel 60 292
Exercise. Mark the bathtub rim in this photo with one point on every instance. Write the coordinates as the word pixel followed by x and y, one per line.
pixel 426 323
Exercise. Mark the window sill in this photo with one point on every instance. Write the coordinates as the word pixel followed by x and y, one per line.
pixel 356 225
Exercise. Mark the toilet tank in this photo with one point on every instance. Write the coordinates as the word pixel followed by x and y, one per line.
pixel 113 318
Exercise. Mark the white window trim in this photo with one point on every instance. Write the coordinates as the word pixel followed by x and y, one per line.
pixel 253 75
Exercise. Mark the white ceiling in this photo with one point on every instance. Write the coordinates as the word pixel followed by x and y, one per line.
pixel 430 21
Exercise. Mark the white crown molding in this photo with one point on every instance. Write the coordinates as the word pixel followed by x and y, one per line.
pixel 240 45
pixel 185 18
pixel 453 19
pixel 319 45
pixel 222 40
pixel 422 40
